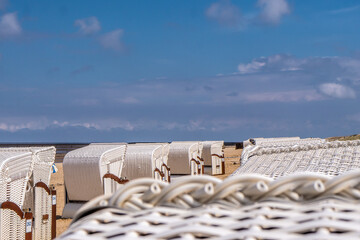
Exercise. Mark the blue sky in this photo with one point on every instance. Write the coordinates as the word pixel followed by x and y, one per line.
pixel 85 71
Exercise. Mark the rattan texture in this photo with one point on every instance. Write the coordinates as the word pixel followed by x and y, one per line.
pixel 185 158
pixel 330 158
pixel 143 160
pixel 42 207
pixel 302 206
pixel 11 225
pixel 276 143
pixel 15 171
pixel 253 144
pixel 258 140
pixel 213 156
pixel 161 165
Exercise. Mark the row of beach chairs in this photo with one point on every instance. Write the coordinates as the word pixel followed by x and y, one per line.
pixel 28 202
pixel 307 190
pixel 101 168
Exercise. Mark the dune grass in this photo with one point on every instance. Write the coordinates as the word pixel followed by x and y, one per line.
pixel 345 138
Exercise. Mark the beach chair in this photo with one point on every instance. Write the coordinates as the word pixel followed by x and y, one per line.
pixel 185 158
pixel 329 158
pixel 213 156
pixel 15 171
pixel 39 198
pixel 144 160
pixel 91 171
pixel 163 164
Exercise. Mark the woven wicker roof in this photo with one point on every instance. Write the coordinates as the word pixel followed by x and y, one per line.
pixel 85 167
pixel 15 170
pixel 330 158
pixel 141 160
pixel 181 154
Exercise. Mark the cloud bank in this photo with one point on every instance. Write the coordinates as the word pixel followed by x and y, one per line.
pixel 267 95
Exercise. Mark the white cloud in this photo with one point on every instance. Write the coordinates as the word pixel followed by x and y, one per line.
pixel 224 12
pixel 337 90
pixel 273 10
pixel 112 40
pixel 278 62
pixel 252 67
pixel 89 25
pixel 9 25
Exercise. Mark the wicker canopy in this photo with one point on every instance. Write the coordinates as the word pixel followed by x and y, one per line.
pixel 85 167
pixel 213 156
pixel 185 158
pixel 43 158
pixel 330 158
pixel 143 160
pixel 15 171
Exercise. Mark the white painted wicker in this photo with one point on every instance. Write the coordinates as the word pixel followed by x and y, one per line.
pixel 185 158
pixel 330 158
pixel 275 143
pixel 84 169
pixel 143 160
pixel 38 198
pixel 213 156
pixel 304 206
pixel 15 170
pixel 163 164
pixel 251 141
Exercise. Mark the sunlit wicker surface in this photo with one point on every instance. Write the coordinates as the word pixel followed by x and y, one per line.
pixel 251 141
pixel 162 170
pixel 142 160
pixel 85 167
pixel 305 206
pixel 331 158
pixel 15 170
pixel 213 156
pixel 250 148
pixel 185 157
pixel 43 159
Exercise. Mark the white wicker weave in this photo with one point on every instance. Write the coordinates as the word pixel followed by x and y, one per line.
pixel 185 158
pixel 275 143
pixel 243 207
pixel 38 198
pixel 213 156
pixel 163 164
pixel 84 169
pixel 331 158
pixel 279 139
pixel 143 160
pixel 15 171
